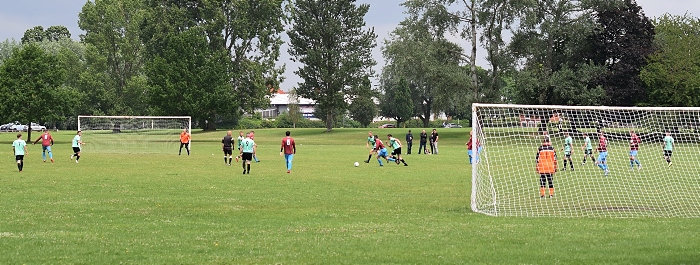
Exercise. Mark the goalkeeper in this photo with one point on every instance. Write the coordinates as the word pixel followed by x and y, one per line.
pixel 546 166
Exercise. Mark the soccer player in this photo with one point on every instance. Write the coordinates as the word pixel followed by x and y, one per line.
pixel 227 147
pixel 370 140
pixel 184 141
pixel 546 160
pixel 602 153
pixel 288 149
pixel 472 157
pixel 46 143
pixel 247 151
pixel 77 142
pixel 396 153
pixel 568 149
pixel 252 137
pixel 587 148
pixel 19 147
pixel 668 148
pixel 634 149
pixel 381 151
pixel 240 139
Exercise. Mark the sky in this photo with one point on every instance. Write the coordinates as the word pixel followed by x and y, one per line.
pixel 384 16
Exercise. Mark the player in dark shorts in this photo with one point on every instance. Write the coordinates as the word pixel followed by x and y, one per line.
pixel 227 147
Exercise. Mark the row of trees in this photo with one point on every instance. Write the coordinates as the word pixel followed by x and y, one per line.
pixel 215 59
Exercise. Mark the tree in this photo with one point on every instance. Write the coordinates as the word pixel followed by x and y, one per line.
pixel 34 34
pixel 57 33
pixel 293 110
pixel 7 47
pixel 622 42
pixel 396 102
pixel 673 71
pixel 187 74
pixel 552 37
pixel 328 38
pixel 38 34
pixel 114 55
pixel 31 84
pixel 427 61
pixel 363 109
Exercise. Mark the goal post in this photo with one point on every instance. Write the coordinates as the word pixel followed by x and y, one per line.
pixel 646 177
pixel 133 134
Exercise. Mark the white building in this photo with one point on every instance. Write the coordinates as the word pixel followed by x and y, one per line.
pixel 279 103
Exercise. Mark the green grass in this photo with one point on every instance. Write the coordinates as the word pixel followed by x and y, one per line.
pixel 167 209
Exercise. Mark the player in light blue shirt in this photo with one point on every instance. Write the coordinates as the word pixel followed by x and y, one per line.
pixel 247 151
pixel 587 148
pixel 19 147
pixel 77 142
pixel 668 148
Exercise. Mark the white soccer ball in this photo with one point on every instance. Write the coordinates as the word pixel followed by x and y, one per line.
pixel 357 164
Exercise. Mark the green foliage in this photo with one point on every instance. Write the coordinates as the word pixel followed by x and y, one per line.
pixel 673 72
pixel 396 103
pixel 186 77
pixel 328 39
pixel 31 84
pixel 363 108
pixel 551 40
pixel 38 34
pixel 622 41
pixel 115 60
pixel 427 61
pixel 7 47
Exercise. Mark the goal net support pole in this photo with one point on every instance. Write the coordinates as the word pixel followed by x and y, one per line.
pixel 654 176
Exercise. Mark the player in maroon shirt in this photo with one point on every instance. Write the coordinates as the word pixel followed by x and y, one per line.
pixel 288 149
pixel 46 143
pixel 634 149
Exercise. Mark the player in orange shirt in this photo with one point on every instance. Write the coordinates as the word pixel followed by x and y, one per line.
pixel 546 166
pixel 184 141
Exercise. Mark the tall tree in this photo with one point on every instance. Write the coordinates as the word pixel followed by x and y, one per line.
pixel 34 34
pixel 57 33
pixel 329 39
pixel 363 109
pixel 115 54
pixel 30 81
pixel 428 61
pixel 551 37
pixel 396 102
pixel 673 72
pixel 622 41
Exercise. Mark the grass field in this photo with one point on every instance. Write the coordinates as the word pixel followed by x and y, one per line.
pixel 167 209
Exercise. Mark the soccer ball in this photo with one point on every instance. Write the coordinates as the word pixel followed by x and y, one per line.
pixel 357 164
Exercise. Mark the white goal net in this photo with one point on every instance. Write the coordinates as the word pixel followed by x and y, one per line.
pixel 133 134
pixel 512 177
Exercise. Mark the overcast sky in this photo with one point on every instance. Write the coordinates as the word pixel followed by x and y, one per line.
pixel 384 15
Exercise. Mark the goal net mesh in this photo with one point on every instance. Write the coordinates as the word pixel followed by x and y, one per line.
pixel 132 134
pixel 506 181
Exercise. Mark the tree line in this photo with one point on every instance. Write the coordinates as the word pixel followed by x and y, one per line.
pixel 215 60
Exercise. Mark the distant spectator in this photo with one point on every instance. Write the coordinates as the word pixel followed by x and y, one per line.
pixel 423 141
pixel 409 142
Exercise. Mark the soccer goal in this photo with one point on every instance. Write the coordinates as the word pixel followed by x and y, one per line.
pixel 133 134
pixel 510 179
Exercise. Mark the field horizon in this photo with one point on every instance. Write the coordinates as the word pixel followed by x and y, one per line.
pixel 158 207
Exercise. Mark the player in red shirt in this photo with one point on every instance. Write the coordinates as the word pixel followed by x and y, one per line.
pixel 46 143
pixel 288 149
pixel 634 149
